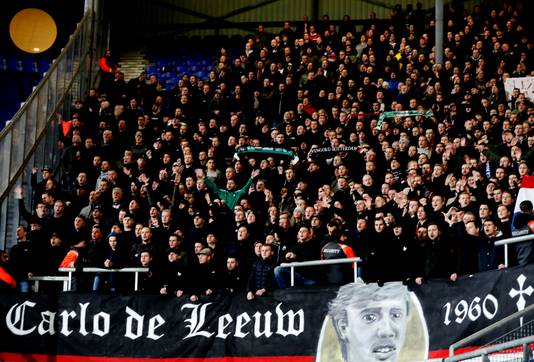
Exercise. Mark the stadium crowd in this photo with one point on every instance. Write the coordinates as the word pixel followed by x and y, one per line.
pixel 149 176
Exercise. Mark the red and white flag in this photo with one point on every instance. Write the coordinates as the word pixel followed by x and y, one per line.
pixel 526 192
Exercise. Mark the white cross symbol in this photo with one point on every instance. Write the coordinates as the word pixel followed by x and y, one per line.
pixel 514 293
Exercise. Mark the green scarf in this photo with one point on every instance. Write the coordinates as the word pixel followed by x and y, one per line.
pixel 267 151
pixel 383 116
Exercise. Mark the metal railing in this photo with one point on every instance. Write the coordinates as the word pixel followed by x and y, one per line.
pixel 294 265
pixel 136 272
pixel 30 138
pixel 513 240
pixel 524 355
pixel 49 278
pixel 490 329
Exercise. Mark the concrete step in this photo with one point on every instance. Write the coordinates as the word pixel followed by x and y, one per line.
pixel 132 63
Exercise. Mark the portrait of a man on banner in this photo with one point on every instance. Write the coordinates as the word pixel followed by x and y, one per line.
pixel 370 323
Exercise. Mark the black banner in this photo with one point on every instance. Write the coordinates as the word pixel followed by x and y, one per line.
pixel 289 325
pixel 454 311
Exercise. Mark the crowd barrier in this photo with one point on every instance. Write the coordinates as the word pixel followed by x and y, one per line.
pixel 300 264
pixel 511 241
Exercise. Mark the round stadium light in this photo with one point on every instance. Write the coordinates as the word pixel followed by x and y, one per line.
pixel 33 30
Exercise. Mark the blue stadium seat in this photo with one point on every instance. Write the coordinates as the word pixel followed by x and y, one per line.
pixel 12 62
pixel 44 65
pixel 3 64
pixel 27 63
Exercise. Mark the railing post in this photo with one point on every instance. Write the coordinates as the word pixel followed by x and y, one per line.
pixel 506 255
pixel 69 284
pixel 485 358
pixel 65 285
pixel 36 286
pixel 292 276
pixel 527 353
pixel 355 271
pixel 136 281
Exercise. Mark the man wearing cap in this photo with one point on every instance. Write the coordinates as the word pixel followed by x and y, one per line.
pixel 199 230
pixel 205 281
pixel 174 278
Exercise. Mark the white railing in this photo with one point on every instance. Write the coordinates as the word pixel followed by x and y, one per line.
pixel 523 355
pixel 49 278
pixel 294 265
pixel 497 326
pixel 136 272
pixel 513 240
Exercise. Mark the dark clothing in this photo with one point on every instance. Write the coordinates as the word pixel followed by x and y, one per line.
pixel 340 273
pixel 523 224
pixel 232 281
pixel 139 247
pixel 437 259
pixel 379 253
pixel 150 283
pixel 29 218
pixel 489 255
pixel 204 277
pixel 22 260
pixel 50 259
pixel 261 276
pixel 306 251
pixel 468 254
pixel 404 261
pixel 174 277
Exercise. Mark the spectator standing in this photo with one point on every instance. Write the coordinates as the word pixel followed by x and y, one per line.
pixel 22 259
pixel 261 278
pixel 523 224
pixel 233 280
pixel 490 256
pixel 205 281
pixel 338 249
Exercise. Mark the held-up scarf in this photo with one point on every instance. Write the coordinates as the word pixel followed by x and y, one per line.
pixel 250 151
pixel 383 116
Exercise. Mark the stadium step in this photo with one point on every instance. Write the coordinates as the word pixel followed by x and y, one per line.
pixel 132 63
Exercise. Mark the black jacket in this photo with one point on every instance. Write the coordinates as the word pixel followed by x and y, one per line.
pixel 261 276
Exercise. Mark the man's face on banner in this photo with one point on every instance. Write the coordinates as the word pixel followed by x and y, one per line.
pixel 376 332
